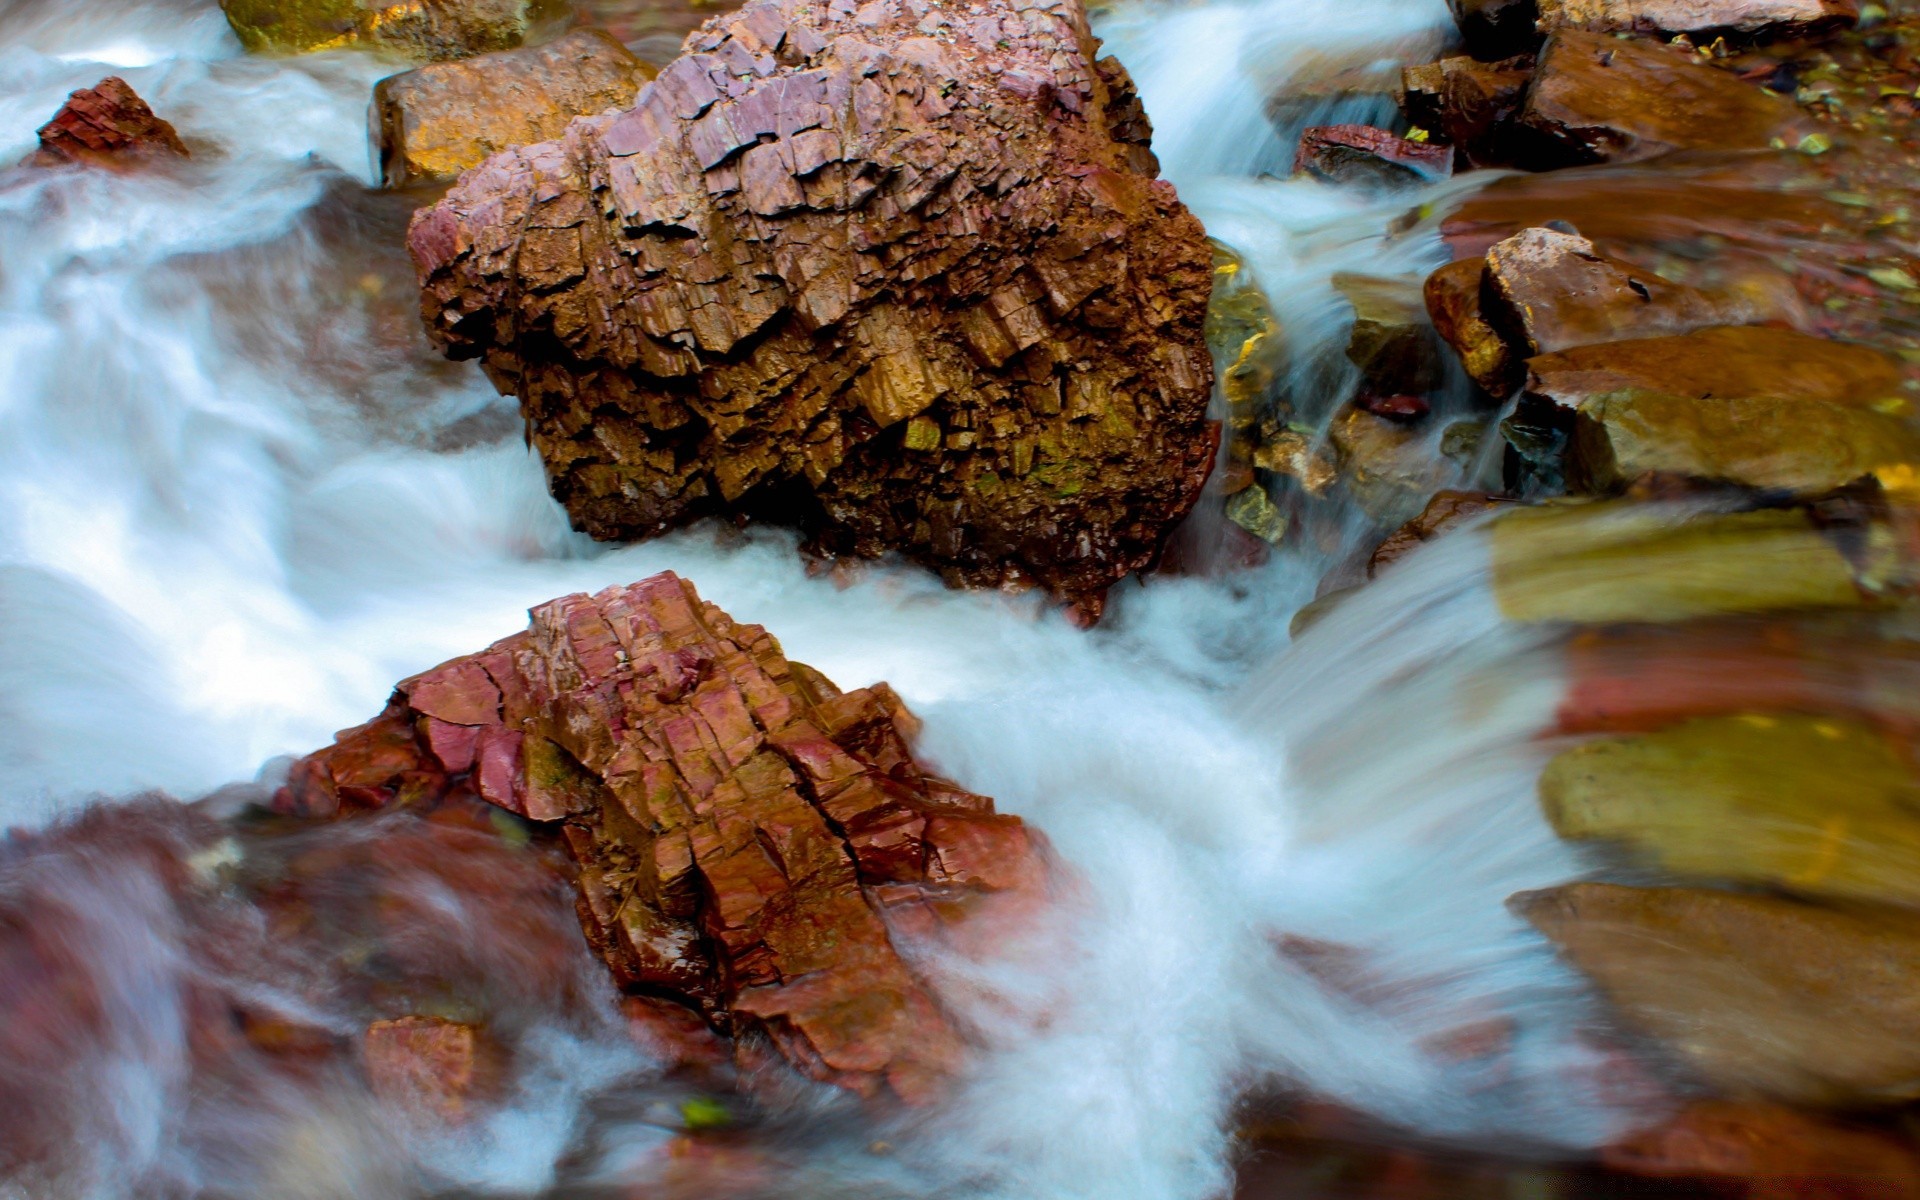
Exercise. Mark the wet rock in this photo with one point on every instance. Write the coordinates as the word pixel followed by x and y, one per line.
pixel 1761 997
pixel 106 125
pixel 1468 104
pixel 1249 350
pixel 1752 406
pixel 1388 468
pixel 909 292
pixel 1557 291
pixel 1361 154
pixel 422 30
pixel 1772 1152
pixel 427 1066
pixel 1602 99
pixel 1254 511
pixel 1818 805
pixel 1446 510
pixel 435 121
pixel 1392 340
pixel 747 835
pixel 1615 561
pixel 1496 29
pixel 1765 19
pixel 1317 86
pixel 1457 303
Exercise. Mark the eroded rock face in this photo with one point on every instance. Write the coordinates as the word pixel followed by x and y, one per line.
pixel 1762 997
pixel 750 839
pixel 422 30
pixel 436 121
pixel 904 278
pixel 1745 18
pixel 106 125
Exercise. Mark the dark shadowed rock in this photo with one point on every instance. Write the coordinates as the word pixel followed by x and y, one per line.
pixel 911 292
pixel 434 122
pixel 1602 99
pixel 1392 340
pixel 1765 19
pixel 1496 29
pixel 1468 104
pixel 1457 302
pixel 750 839
pixel 1362 154
pixel 1762 997
pixel 106 125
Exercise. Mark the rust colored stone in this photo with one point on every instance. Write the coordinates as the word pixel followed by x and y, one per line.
pixel 1456 298
pixel 426 1065
pixel 902 278
pixel 108 125
pixel 1446 510
pixel 1363 154
pixel 746 833
pixel 1777 1153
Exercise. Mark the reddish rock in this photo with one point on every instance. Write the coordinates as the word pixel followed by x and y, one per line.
pixel 746 833
pixel 1365 155
pixel 426 1065
pixel 1403 409
pixel 904 278
pixel 107 125
pixel 1457 299
pixel 1443 512
pixel 1775 1152
pixel 1468 104
pixel 1596 98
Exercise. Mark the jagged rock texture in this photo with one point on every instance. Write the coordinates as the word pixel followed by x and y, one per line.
pixel 900 274
pixel 746 834
pixel 107 124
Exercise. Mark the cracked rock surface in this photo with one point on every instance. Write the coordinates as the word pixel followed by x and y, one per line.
pixel 900 274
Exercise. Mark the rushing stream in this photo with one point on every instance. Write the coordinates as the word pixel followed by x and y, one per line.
pixel 240 496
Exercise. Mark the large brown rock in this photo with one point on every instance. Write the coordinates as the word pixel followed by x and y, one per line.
pixel 1762 997
pixel 106 125
pixel 435 121
pixel 903 277
pixel 422 30
pixel 1603 99
pixel 1745 18
pixel 747 835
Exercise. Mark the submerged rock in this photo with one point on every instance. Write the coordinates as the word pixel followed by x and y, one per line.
pixel 748 836
pixel 910 292
pixel 423 30
pixel 1761 997
pixel 1604 99
pixel 427 1066
pixel 1392 340
pixel 1446 510
pixel 435 121
pixel 1819 805
pixel 1765 19
pixel 106 125
pixel 1469 104
pixel 1364 155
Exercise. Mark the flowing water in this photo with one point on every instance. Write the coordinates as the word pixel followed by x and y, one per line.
pixel 240 496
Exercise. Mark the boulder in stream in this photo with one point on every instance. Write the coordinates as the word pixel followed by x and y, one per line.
pixel 109 125
pixel 1760 19
pixel 1763 998
pixel 422 30
pixel 903 278
pixel 435 121
pixel 1362 154
pixel 750 840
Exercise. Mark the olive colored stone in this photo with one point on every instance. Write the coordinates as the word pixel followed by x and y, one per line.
pixel 1388 468
pixel 1603 99
pixel 1615 561
pixel 1254 511
pixel 438 120
pixel 422 30
pixel 1760 996
pixel 1820 805
pixel 1766 19
pixel 1392 340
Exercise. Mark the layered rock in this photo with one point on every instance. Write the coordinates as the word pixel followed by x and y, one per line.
pixel 422 30
pixel 750 839
pixel 1362 154
pixel 435 121
pixel 904 278
pixel 106 125
pixel 1761 997
pixel 1603 99
pixel 1766 19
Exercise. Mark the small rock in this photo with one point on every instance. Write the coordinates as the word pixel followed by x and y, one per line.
pixel 1603 99
pixel 106 125
pixel 1764 998
pixel 1254 511
pixel 422 30
pixel 1766 20
pixel 1456 299
pixel 426 1065
pixel 1404 409
pixel 1389 468
pixel 435 121
pixel 1469 104
pixel 1392 340
pixel 1446 510
pixel 1362 154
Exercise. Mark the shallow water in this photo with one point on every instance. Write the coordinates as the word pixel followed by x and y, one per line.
pixel 240 496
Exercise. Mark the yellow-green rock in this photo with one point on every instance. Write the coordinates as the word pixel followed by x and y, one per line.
pixel 1615 561
pixel 1824 806
pixel 422 30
